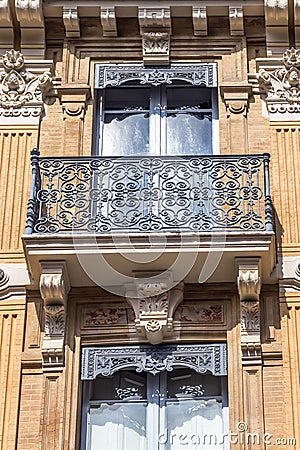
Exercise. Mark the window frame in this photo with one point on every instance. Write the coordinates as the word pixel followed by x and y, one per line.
pixel 183 356
pixel 117 75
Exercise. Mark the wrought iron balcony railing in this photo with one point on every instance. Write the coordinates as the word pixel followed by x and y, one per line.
pixel 149 194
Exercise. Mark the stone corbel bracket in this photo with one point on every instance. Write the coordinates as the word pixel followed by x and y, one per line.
pixel 236 98
pixel 154 305
pixel 74 100
pixel 249 286
pixel 22 89
pixel 277 26
pixel 236 20
pixel 54 289
pixel 30 16
pixel 155 28
pixel 71 22
pixel 279 81
pixel 108 21
pixel 199 14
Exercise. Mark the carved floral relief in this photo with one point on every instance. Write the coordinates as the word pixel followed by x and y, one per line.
pixel 20 88
pixel 200 313
pixel 94 317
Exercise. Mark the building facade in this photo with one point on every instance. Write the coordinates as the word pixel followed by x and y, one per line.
pixel 150 226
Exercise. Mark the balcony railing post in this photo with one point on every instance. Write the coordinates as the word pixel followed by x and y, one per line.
pixel 32 202
pixel 268 201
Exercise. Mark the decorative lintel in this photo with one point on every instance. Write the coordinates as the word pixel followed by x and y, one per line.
pixel 154 304
pixel 204 74
pixel 106 361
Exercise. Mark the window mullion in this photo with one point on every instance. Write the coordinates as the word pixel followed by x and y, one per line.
pixel 152 422
pixel 154 123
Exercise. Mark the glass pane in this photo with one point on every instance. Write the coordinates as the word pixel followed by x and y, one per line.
pixel 124 99
pixel 119 386
pixel 186 383
pixel 117 426
pixel 125 134
pixel 188 98
pixel 194 424
pixel 189 134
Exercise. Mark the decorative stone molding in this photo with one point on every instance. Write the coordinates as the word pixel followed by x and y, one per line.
pixel 156 47
pixel 204 74
pixel 249 281
pixel 236 20
pixel 154 17
pixel 199 15
pixel 108 360
pixel 249 285
pixel 4 277
pixel 71 21
pixel 155 26
pixel 54 288
pixel 108 21
pixel 279 80
pixel 22 91
pixel 250 316
pixel 236 98
pixel 154 306
pixel 74 100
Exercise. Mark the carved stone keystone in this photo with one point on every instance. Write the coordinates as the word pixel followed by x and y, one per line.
pixel 154 304
pixel 54 288
pixel 155 26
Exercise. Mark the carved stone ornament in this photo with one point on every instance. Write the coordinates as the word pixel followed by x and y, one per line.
pixel 199 14
pixel 156 47
pixel 21 92
pixel 202 74
pixel 249 281
pixel 3 277
pixel 236 20
pixel 54 320
pixel 71 21
pixel 54 288
pixel 108 21
pixel 250 317
pixel 282 84
pixel 154 306
pixel 108 360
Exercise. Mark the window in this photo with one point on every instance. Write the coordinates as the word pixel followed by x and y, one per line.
pixel 157 111
pixel 155 409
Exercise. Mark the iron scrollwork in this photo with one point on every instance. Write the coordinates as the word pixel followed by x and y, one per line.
pixel 190 193
pixel 108 360
pixel 204 74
